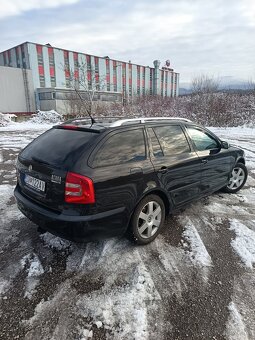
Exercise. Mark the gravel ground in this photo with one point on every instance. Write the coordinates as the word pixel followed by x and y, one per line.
pixel 195 281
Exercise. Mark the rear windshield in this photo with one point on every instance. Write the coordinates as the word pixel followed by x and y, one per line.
pixel 58 146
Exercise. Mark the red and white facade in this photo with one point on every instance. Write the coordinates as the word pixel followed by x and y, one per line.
pixel 52 68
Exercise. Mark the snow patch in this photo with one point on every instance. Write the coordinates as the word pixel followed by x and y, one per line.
pixel 55 242
pixel 49 117
pixel 198 253
pixel 235 328
pixel 122 310
pixel 8 212
pixel 35 269
pixel 6 192
pixel 244 243
pixel 3 285
pixel 99 324
pixel 5 119
pixel 86 334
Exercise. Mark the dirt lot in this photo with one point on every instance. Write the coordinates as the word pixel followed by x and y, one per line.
pixel 195 281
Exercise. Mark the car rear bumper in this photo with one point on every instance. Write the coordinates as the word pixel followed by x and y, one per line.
pixel 78 228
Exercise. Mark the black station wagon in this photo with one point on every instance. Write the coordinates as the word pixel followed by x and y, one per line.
pixel 86 181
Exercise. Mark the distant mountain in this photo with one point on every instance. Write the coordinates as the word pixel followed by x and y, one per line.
pixel 183 91
pixel 225 83
pixel 229 82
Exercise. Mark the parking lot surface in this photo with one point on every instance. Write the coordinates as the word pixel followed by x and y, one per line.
pixel 195 281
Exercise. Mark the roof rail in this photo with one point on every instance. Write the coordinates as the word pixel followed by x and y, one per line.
pixel 143 120
pixel 97 119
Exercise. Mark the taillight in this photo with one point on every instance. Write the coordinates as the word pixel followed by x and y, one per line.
pixel 79 189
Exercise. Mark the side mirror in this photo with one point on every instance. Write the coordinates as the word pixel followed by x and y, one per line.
pixel 224 145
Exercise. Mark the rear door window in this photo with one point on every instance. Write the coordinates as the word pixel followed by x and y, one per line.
pixel 123 147
pixel 168 140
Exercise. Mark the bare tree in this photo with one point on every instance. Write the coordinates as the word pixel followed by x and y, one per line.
pixel 74 106
pixel 204 84
pixel 251 85
pixel 85 83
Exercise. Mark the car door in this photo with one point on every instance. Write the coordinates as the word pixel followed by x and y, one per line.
pixel 120 170
pixel 176 164
pixel 216 161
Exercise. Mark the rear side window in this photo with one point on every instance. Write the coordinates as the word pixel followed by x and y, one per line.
pixel 58 146
pixel 169 140
pixel 121 148
pixel 202 140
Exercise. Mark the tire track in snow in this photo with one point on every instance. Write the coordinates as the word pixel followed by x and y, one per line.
pixel 203 313
pixel 241 321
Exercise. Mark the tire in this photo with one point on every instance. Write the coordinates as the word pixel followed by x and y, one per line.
pixel 147 220
pixel 237 179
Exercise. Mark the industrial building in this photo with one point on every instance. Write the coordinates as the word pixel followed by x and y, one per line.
pixel 40 77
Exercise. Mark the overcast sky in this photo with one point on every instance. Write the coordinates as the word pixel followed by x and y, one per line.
pixel 198 36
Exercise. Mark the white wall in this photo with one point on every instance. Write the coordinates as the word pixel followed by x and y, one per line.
pixel 12 90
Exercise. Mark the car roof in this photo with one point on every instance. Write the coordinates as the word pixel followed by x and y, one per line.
pixel 103 123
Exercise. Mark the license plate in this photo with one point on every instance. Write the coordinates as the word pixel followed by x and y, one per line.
pixel 35 183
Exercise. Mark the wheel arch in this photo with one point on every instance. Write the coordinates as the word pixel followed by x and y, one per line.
pixel 161 194
pixel 240 160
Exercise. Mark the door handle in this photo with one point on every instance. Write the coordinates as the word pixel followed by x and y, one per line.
pixel 204 161
pixel 163 170
pixel 136 170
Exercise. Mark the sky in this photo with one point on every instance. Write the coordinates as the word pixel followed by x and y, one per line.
pixel 210 37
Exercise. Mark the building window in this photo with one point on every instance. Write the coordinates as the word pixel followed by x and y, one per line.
pixel 89 75
pixel 42 80
pixel 97 74
pixel 138 80
pixel 67 68
pixel 143 81
pixel 39 54
pixel 40 65
pixel 166 84
pixel 107 63
pixel 5 58
pixel 9 57
pixel 114 75
pixel 130 79
pixel 17 56
pixel 124 80
pixel 162 83
pixel 96 65
pixel 151 77
pixel 52 67
pixel 46 95
pixel 130 90
pixel 51 56
pixel 76 62
pixel 88 59
pixel 23 56
pixel 76 69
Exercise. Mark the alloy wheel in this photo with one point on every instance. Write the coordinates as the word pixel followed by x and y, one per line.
pixel 237 178
pixel 149 219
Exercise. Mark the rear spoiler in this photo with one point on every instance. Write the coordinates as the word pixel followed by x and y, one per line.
pixel 75 127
